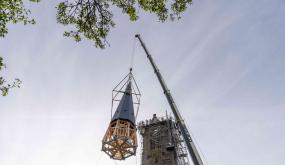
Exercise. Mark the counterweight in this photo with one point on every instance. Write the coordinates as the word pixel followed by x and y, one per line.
pixel 185 133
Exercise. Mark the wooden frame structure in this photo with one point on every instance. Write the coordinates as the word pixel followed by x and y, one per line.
pixel 120 139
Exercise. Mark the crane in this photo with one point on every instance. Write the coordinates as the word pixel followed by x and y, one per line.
pixel 194 154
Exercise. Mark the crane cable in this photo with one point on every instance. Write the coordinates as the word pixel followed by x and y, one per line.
pixel 130 77
pixel 133 53
pixel 131 66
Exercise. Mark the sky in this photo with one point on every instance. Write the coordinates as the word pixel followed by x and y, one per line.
pixel 223 62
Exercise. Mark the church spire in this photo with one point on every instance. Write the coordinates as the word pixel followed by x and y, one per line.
pixel 125 109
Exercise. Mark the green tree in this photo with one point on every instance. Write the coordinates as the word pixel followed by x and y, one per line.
pixel 4 88
pixel 91 19
pixel 12 11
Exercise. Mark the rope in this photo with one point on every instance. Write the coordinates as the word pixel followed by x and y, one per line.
pixel 133 53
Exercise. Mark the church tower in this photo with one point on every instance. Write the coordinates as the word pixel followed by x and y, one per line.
pixel 162 143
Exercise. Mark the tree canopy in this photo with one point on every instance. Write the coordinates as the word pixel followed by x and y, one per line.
pixel 12 11
pixel 92 19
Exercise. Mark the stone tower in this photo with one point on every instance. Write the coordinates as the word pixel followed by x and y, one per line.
pixel 162 143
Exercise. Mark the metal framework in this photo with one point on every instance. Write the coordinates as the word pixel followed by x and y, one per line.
pixel 180 122
pixel 120 140
pixel 118 92
pixel 162 144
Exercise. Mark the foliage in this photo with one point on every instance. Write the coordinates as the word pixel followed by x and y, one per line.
pixel 5 88
pixel 12 11
pixel 93 18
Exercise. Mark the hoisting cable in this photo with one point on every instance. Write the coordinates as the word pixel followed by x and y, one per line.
pixel 133 53
pixel 129 77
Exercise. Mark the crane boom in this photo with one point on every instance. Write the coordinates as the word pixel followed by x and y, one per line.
pixel 181 124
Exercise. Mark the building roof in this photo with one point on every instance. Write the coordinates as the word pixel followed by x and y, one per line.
pixel 125 109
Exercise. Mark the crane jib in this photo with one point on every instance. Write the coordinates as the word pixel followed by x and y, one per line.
pixel 185 133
